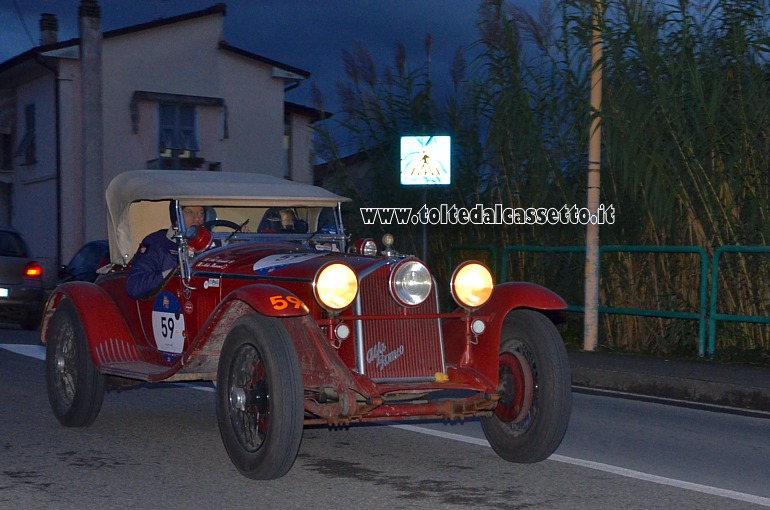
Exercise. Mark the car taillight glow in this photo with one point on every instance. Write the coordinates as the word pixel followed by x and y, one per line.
pixel 33 270
pixel 472 284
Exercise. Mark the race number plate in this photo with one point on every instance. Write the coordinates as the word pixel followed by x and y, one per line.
pixel 168 323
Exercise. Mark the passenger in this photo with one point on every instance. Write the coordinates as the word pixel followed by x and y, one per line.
pixel 277 220
pixel 157 256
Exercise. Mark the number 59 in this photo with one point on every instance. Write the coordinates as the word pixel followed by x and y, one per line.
pixel 283 302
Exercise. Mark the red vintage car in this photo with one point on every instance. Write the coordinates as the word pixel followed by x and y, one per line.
pixel 296 325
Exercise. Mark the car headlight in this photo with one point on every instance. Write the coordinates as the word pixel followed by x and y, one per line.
pixel 366 247
pixel 410 282
pixel 335 286
pixel 472 284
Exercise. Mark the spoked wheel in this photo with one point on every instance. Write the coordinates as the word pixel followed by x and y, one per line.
pixel 535 390
pixel 249 398
pixel 75 386
pixel 260 405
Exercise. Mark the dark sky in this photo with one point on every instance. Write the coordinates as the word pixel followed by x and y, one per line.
pixel 309 34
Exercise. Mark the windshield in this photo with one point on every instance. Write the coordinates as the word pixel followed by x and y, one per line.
pixel 321 227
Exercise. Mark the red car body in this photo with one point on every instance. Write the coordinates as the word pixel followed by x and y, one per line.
pixel 248 312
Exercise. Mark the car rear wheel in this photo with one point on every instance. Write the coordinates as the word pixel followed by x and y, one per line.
pixel 260 406
pixel 75 386
pixel 535 390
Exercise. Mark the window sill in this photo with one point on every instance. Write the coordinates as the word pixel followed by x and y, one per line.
pixel 40 178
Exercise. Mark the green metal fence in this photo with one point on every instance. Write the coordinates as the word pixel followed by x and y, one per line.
pixel 706 313
pixel 713 315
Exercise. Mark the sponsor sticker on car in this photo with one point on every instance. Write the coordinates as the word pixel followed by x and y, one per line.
pixel 273 263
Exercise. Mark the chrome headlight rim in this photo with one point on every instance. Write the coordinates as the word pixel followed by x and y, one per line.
pixel 366 246
pixel 397 286
pixel 469 305
pixel 321 292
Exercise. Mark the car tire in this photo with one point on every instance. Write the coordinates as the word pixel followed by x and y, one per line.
pixel 75 386
pixel 535 403
pixel 260 397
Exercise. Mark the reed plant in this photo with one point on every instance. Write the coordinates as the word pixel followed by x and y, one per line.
pixel 686 150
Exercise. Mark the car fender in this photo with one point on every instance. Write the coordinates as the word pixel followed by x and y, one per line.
pixel 505 298
pixel 266 299
pixel 320 364
pixel 269 300
pixel 108 336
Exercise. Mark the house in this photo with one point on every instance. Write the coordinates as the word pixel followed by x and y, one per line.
pixel 167 94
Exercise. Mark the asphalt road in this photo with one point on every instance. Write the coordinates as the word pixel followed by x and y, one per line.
pixel 159 447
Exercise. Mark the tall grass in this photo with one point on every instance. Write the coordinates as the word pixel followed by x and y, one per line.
pixel 686 154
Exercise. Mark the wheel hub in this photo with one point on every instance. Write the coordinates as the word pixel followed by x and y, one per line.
pixel 249 398
pixel 238 398
pixel 516 388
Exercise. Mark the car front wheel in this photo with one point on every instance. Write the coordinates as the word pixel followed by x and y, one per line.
pixel 260 398
pixel 75 386
pixel 535 390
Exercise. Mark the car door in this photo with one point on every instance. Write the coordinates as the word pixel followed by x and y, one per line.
pixel 164 323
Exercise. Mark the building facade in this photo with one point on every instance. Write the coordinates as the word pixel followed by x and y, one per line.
pixel 168 94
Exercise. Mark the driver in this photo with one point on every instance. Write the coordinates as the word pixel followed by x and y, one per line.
pixel 157 256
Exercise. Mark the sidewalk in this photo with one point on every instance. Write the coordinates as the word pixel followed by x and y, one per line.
pixel 701 382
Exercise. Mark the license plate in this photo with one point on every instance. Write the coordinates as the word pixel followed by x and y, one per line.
pixel 3 292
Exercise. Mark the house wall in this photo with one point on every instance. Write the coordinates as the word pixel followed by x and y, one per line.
pixel 255 113
pixel 301 149
pixel 34 210
pixel 172 59
pixel 71 157
pixel 7 123
pixel 179 58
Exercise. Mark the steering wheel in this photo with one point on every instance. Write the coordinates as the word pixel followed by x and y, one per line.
pixel 223 223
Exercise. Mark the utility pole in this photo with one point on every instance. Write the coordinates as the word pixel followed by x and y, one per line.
pixel 94 216
pixel 593 260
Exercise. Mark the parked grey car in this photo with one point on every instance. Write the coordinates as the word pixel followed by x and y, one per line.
pixel 21 282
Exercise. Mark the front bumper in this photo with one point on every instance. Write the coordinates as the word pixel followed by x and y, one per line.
pixel 18 302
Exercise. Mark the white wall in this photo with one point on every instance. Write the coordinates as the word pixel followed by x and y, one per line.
pixel 34 200
pixel 301 149
pixel 179 58
pixel 255 101
pixel 71 154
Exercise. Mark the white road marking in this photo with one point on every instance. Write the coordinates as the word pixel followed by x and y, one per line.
pixel 630 473
pixel 607 468
pixel 197 387
pixel 38 352
pixel 33 351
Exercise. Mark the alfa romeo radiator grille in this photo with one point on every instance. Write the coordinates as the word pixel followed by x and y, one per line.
pixel 399 348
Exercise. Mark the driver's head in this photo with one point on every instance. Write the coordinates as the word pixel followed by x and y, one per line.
pixel 194 215
pixel 287 219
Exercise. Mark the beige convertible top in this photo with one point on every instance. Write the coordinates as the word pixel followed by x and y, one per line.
pixel 229 189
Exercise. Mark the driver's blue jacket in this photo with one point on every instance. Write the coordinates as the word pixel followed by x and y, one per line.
pixel 156 254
